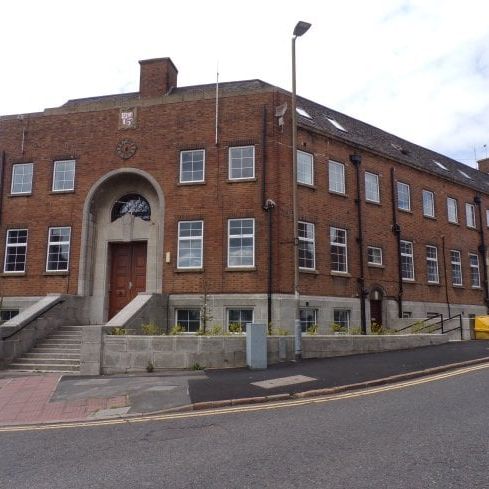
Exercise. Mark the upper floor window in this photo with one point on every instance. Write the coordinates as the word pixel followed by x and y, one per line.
pixel 339 255
pixel 452 210
pixel 305 168
pixel 133 204
pixel 192 166
pixel 374 255
pixel 336 177
pixel 22 178
pixel 432 265
pixel 241 243
pixel 407 260
pixel 58 249
pixel 470 215
pixel 64 176
pixel 307 245
pixel 403 196
pixel 456 262
pixel 241 162
pixel 475 277
pixel 15 251
pixel 428 203
pixel 190 244
pixel 372 193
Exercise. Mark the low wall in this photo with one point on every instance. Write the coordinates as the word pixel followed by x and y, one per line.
pixel 341 345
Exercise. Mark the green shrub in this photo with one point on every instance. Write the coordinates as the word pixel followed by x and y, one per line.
pixel 312 330
pixel 118 331
pixel 338 328
pixel 176 330
pixel 151 329
pixel 355 330
pixel 197 366
pixel 235 328
pixel 150 367
pixel 280 332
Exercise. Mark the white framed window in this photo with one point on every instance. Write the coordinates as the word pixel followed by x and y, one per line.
pixel 238 319
pixel 305 168
pixel 192 166
pixel 407 260
pixel 308 318
pixel 7 314
pixel 15 251
pixel 452 210
pixel 190 244
pixel 372 191
pixel 342 317
pixel 336 172
pixel 374 255
pixel 307 245
pixel 64 176
pixel 428 203
pixel 188 320
pixel 22 178
pixel 339 255
pixel 403 196
pixel 470 215
pixel 58 256
pixel 241 162
pixel 432 274
pixel 475 277
pixel 456 263
pixel 487 217
pixel 241 243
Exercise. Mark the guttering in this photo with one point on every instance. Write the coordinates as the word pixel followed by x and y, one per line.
pixel 396 229
pixel 482 251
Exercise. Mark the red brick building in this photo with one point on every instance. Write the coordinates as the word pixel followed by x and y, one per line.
pixel 167 191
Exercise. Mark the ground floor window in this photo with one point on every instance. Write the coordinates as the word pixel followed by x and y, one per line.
pixel 188 320
pixel 6 314
pixel 58 249
pixel 238 318
pixel 308 318
pixel 342 318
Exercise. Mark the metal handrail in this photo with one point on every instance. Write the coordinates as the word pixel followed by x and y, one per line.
pixel 424 321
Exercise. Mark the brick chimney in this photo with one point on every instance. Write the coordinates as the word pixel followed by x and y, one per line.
pixel 157 77
pixel 484 165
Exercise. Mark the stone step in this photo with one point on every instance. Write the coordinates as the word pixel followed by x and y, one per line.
pixel 52 354
pixel 48 361
pixel 62 336
pixel 47 349
pixel 54 367
pixel 55 342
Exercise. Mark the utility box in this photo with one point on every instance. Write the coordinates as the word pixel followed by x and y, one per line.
pixel 256 346
pixel 481 328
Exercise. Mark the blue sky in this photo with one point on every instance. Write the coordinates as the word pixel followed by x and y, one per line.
pixel 418 69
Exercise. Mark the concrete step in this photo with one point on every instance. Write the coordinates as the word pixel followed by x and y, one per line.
pixel 55 342
pixel 48 361
pixel 48 349
pixel 69 337
pixel 53 367
pixel 52 354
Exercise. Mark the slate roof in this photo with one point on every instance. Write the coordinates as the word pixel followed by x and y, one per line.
pixel 356 132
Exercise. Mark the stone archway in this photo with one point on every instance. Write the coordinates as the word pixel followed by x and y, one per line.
pixel 376 296
pixel 101 234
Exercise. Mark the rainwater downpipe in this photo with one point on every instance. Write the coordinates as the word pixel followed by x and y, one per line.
pixel 396 229
pixel 446 275
pixel 2 167
pixel 357 160
pixel 482 251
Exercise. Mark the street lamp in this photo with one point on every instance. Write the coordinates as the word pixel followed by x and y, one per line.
pixel 300 29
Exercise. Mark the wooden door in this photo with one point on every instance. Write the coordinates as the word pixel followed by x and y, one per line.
pixel 127 274
pixel 376 312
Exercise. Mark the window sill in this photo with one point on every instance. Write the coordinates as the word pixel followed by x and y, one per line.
pixel 432 218
pixel 340 274
pixel 434 284
pixel 241 180
pixel 307 270
pixel 61 274
pixel 374 265
pixel 306 185
pixel 458 286
pixel 188 270
pixel 471 227
pixel 476 287
pixel 405 211
pixel 185 184
pixel 338 194
pixel 454 223
pixel 61 192
pixel 240 269
pixel 373 202
pixel 13 274
pixel 20 194
pixel 408 281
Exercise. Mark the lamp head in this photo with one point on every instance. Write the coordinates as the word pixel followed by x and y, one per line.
pixel 301 28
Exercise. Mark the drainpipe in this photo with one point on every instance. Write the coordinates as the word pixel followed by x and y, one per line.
pixel 446 277
pixel 396 229
pixel 357 160
pixel 2 166
pixel 482 250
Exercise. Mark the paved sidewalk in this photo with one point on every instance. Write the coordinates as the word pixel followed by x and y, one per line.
pixel 44 398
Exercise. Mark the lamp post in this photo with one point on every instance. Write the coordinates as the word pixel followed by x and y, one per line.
pixel 300 29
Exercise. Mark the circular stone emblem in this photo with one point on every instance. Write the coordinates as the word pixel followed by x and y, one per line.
pixel 125 149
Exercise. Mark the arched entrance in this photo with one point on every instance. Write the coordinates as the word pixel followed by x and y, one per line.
pixel 122 241
pixel 376 306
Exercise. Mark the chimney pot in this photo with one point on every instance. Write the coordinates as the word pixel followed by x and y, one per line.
pixel 484 165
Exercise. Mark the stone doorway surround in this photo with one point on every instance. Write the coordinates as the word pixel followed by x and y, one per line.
pixel 98 231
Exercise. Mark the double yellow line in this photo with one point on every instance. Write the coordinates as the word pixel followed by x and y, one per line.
pixel 249 408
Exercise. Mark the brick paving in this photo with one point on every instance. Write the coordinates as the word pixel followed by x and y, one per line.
pixel 26 400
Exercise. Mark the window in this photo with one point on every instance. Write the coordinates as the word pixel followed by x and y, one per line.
pixel 192 166
pixel 475 277
pixel 452 210
pixel 372 193
pixel 58 249
pixel 64 176
pixel 339 261
pixel 241 243
pixel 241 162
pixel 432 265
pixel 403 196
pixel 305 168
pixel 22 178
pixel 342 317
pixel 407 314
pixel 456 262
pixel 336 177
pixel 307 252
pixel 308 318
pixel 374 255
pixel 470 215
pixel 464 174
pixel 487 217
pixel 440 165
pixel 428 203
pixel 407 260
pixel 190 244
pixel 238 318
pixel 15 250
pixel 133 204
pixel 188 320
pixel 303 112
pixel 7 314
pixel 336 124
